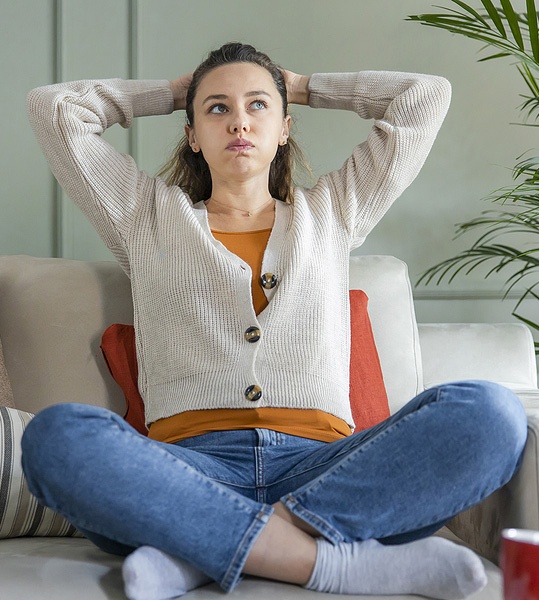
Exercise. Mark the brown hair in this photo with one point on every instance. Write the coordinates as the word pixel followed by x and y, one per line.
pixel 189 169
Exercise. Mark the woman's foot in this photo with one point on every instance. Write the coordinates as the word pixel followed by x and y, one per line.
pixel 432 567
pixel 150 574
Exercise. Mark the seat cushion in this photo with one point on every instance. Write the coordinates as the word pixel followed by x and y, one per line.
pixel 68 568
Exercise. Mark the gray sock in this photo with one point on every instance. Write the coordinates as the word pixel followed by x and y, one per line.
pixel 150 574
pixel 432 567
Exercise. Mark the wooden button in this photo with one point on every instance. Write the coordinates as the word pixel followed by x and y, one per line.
pixel 268 281
pixel 253 393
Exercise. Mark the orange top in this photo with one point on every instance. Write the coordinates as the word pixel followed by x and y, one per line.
pixel 307 423
pixel 250 247
pixel 313 424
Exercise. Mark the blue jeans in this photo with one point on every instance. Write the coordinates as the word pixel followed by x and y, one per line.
pixel 207 498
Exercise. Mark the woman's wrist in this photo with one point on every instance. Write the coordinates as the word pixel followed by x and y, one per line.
pixel 301 91
pixel 179 89
pixel 297 87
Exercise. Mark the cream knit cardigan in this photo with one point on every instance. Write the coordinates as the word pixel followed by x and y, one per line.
pixel 192 297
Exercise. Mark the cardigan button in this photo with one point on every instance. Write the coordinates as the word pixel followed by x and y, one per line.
pixel 253 393
pixel 252 334
pixel 268 280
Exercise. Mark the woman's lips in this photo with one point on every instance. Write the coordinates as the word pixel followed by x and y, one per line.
pixel 240 145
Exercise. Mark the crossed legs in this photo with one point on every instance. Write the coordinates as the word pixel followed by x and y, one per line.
pixel 438 430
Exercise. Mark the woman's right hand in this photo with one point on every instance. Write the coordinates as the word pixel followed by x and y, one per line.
pixel 179 89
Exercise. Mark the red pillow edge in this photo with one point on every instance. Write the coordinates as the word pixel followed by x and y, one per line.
pixel 119 350
pixel 368 396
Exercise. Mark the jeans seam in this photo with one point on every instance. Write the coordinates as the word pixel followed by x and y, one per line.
pixel 232 575
pixel 317 522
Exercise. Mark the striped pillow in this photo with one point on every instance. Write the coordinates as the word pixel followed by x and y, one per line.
pixel 20 512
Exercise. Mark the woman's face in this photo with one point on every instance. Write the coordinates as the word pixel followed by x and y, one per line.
pixel 238 121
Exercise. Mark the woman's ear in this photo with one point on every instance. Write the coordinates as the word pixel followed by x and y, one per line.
pixel 190 135
pixel 285 133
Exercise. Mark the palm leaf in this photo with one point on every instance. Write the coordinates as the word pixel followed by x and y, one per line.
pixel 499 55
pixel 512 19
pixel 531 13
pixel 524 296
pixel 530 324
pixel 494 15
pixel 470 10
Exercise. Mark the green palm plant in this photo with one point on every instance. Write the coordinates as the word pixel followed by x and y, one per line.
pixel 510 34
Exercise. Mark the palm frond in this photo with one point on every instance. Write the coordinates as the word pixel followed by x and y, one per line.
pixel 533 27
pixel 507 237
pixel 468 9
pixel 511 17
pixel 489 28
pixel 494 15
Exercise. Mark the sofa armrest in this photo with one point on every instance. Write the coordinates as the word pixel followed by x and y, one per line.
pixel 500 352
pixel 514 505
pixel 504 353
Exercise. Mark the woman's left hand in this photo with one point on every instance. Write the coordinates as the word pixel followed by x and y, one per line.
pixel 297 87
pixel 179 89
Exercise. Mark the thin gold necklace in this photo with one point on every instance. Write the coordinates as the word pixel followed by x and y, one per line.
pixel 246 213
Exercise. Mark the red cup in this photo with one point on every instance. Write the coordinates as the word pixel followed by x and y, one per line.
pixel 519 561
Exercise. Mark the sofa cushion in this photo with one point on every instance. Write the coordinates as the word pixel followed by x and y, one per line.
pixel 385 281
pixel 368 398
pixel 52 315
pixel 500 352
pixel 68 568
pixel 20 513
pixel 6 393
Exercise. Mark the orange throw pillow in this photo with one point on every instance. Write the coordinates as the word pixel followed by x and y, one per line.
pixel 118 347
pixel 368 398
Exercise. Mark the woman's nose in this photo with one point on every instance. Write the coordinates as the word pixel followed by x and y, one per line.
pixel 239 125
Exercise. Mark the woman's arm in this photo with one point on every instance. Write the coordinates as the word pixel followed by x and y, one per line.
pixel 69 120
pixel 408 110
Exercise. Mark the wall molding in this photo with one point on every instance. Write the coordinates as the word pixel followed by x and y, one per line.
pixel 132 41
pixel 467 295
pixel 58 69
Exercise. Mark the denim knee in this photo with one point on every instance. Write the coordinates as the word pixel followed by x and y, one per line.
pixel 496 421
pixel 47 443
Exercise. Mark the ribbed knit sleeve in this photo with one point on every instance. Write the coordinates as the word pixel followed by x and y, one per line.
pixel 408 110
pixel 69 120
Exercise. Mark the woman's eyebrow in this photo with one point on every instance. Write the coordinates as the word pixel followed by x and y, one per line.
pixel 257 93
pixel 225 97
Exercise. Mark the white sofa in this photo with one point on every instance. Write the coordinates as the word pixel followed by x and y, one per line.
pixel 52 315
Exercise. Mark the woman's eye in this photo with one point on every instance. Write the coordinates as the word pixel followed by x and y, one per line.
pixel 259 104
pixel 218 109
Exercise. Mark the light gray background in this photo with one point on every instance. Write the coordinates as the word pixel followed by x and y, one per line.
pixel 43 41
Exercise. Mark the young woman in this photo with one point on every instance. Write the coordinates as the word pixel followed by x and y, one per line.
pixel 240 290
